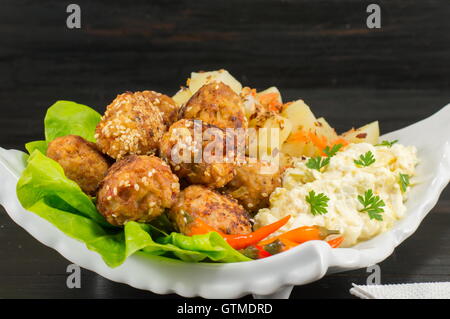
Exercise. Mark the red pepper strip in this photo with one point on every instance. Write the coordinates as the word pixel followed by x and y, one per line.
pixel 240 241
pixel 288 244
pixel 199 227
pixel 336 242
pixel 262 253
pixel 302 234
pixel 279 245
pixel 255 252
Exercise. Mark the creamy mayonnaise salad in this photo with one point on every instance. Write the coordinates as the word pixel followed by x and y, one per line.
pixel 342 181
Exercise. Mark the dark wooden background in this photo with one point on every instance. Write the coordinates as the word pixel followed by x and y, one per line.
pixel 318 50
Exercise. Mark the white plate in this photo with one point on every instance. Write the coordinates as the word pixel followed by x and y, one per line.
pixel 270 277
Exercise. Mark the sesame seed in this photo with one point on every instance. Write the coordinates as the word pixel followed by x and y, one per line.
pixel 136 187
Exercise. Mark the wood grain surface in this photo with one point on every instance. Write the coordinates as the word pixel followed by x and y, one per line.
pixel 320 51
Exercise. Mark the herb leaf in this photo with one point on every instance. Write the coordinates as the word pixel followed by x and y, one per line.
pixel 404 182
pixel 366 159
pixel 334 149
pixel 318 203
pixel 373 205
pixel 319 162
pixel 387 143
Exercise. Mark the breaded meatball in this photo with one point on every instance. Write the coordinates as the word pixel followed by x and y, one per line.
pixel 194 159
pixel 217 210
pixel 81 161
pixel 253 184
pixel 165 104
pixel 132 124
pixel 217 104
pixel 137 188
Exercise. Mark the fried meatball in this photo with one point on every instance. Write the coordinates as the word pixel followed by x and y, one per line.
pixel 253 184
pixel 165 104
pixel 137 188
pixel 217 210
pixel 194 159
pixel 217 104
pixel 132 124
pixel 81 161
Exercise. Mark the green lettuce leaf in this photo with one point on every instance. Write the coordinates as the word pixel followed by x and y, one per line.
pixel 212 245
pixel 65 117
pixel 41 146
pixel 44 178
pixel 109 243
pixel 115 245
pixel 192 249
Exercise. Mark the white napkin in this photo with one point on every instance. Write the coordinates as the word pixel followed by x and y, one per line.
pixel 428 290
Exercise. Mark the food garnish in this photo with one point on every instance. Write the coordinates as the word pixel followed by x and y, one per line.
pixel 336 242
pixel 404 181
pixel 387 143
pixel 302 234
pixel 279 245
pixel 239 241
pixel 330 152
pixel 255 252
pixel 365 160
pixel 318 203
pixel 373 205
pixel 319 162
pixel 291 239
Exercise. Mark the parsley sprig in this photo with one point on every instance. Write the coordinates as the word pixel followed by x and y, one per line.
pixel 319 162
pixel 365 160
pixel 387 143
pixel 318 203
pixel 373 205
pixel 404 182
pixel 333 150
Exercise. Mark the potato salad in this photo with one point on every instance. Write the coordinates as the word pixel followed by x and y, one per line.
pixel 360 192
